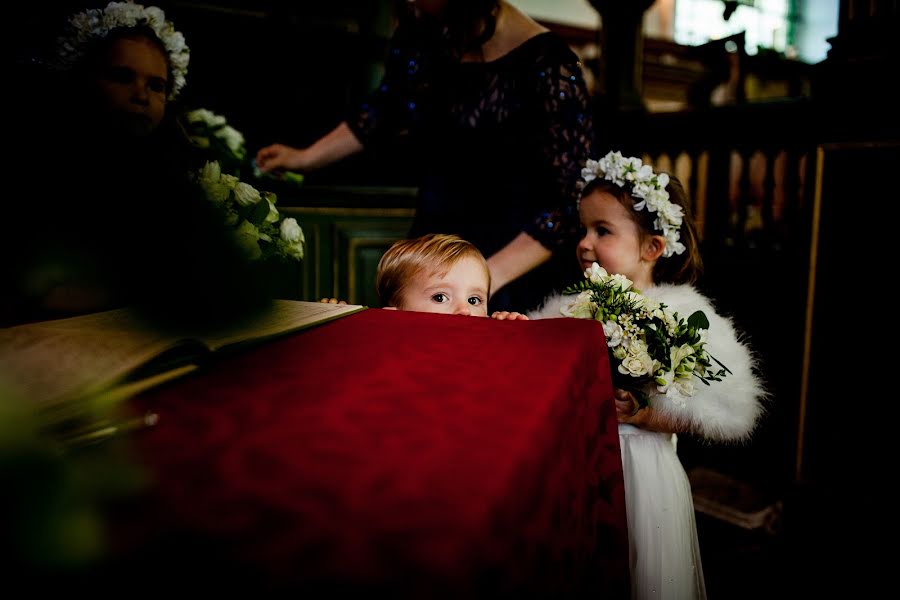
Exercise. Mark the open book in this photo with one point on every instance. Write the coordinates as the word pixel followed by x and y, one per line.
pixel 69 359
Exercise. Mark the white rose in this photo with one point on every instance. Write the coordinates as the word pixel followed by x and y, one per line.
pixel 230 181
pixel 201 115
pixel 637 347
pixel 636 366
pixel 246 194
pixel 290 231
pixel 232 137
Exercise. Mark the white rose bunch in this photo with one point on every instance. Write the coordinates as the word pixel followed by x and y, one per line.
pixel 652 350
pixel 259 228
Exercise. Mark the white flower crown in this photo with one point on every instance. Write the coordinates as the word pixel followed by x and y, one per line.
pixel 646 185
pixel 97 23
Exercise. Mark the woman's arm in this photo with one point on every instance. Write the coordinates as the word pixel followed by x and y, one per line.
pixel 564 132
pixel 515 259
pixel 330 148
pixel 388 109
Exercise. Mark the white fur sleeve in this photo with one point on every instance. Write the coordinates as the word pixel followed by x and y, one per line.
pixel 723 410
pixel 550 308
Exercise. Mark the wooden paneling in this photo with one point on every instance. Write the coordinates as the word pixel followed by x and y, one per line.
pixel 343 247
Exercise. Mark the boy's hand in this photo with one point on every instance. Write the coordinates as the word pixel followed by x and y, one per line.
pixel 504 315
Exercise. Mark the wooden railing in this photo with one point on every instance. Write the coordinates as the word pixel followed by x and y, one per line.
pixel 754 174
pixel 747 171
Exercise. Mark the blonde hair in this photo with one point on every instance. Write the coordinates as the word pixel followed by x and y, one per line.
pixel 405 258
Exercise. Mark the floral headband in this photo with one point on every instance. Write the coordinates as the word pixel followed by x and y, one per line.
pixel 96 23
pixel 649 187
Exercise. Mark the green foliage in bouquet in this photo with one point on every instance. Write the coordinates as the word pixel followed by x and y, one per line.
pixel 652 350
pixel 259 228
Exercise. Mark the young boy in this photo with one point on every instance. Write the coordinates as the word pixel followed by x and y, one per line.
pixel 435 273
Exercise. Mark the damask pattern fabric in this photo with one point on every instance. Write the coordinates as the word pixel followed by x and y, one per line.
pixel 400 452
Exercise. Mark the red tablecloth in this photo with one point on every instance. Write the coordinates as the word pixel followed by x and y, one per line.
pixel 391 451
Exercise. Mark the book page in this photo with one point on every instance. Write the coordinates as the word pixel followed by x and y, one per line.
pixel 284 316
pixel 54 361
pixel 67 358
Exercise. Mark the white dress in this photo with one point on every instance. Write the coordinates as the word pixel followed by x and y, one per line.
pixel 662 532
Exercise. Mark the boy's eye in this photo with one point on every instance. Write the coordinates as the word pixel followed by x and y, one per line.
pixel 475 300
pixel 440 298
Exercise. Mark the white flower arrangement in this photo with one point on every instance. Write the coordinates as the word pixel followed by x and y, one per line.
pixel 646 185
pixel 258 226
pixel 210 131
pixel 651 349
pixel 96 23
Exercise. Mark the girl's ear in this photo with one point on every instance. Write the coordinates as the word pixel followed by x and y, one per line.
pixel 653 248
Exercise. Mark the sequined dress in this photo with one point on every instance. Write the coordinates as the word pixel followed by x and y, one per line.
pixel 500 146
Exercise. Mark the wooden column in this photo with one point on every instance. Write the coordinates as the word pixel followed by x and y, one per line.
pixel 622 43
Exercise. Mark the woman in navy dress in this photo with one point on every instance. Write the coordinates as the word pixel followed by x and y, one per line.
pixel 498 113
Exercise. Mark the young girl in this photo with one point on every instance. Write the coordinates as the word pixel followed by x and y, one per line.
pixel 638 225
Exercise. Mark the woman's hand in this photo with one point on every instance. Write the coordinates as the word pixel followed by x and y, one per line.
pixel 279 156
pixel 503 315
pixel 332 301
pixel 331 147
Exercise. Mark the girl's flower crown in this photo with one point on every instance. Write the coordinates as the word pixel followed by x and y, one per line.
pixel 646 185
pixel 96 23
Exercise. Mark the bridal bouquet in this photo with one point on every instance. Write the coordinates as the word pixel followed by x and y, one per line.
pixel 652 349
pixel 260 229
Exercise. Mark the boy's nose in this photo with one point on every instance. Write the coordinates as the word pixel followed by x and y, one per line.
pixel 463 308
